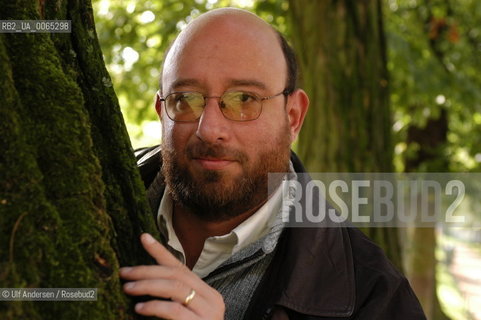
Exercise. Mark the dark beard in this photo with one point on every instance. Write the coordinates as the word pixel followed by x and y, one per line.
pixel 210 196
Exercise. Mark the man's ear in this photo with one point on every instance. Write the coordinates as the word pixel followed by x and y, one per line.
pixel 297 106
pixel 158 104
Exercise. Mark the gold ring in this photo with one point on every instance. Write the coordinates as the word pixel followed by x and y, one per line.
pixel 189 298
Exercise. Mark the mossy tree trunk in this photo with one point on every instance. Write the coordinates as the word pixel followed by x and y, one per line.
pixel 71 201
pixel 342 54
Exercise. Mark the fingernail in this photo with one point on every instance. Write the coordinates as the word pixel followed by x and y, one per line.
pixel 139 306
pixel 129 285
pixel 125 270
pixel 148 238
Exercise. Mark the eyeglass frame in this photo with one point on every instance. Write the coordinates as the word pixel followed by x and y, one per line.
pixel 286 92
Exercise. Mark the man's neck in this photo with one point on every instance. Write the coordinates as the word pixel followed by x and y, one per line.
pixel 193 231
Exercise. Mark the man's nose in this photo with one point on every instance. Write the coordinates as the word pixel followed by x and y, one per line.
pixel 213 127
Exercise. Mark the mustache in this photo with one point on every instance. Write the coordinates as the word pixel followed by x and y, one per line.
pixel 207 150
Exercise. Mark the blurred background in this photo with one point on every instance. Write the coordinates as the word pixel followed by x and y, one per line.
pixel 398 79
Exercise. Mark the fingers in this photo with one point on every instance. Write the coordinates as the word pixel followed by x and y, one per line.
pixel 158 251
pixel 156 272
pixel 191 297
pixel 176 290
pixel 148 272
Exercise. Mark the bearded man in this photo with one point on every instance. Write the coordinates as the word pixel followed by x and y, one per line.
pixel 230 110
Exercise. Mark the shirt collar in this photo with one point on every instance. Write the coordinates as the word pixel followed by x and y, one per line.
pixel 218 249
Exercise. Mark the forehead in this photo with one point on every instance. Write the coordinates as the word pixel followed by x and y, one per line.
pixel 226 49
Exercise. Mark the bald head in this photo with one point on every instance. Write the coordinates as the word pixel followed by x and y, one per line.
pixel 236 34
pixel 227 17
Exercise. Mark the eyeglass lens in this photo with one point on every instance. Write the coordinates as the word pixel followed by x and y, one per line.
pixel 235 105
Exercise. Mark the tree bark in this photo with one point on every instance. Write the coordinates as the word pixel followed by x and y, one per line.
pixel 72 204
pixel 421 242
pixel 342 56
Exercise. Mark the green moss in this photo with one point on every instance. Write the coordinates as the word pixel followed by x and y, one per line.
pixel 23 207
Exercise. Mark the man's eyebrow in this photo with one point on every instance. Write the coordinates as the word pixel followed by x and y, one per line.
pixel 185 83
pixel 247 83
pixel 232 83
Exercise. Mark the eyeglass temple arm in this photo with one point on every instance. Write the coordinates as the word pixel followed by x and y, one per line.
pixel 158 94
pixel 285 93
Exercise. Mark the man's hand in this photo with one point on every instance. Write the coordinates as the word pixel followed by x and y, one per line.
pixel 190 297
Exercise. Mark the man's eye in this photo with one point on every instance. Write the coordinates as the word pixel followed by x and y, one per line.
pixel 181 97
pixel 240 98
pixel 245 97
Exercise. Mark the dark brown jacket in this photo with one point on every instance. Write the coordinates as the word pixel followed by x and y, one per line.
pixel 317 273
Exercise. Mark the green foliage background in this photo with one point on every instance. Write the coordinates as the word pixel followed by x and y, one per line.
pixel 434 52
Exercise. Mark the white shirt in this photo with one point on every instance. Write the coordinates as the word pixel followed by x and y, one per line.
pixel 218 249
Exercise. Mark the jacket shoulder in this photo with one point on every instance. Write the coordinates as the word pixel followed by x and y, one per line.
pixel 382 291
pixel 149 163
